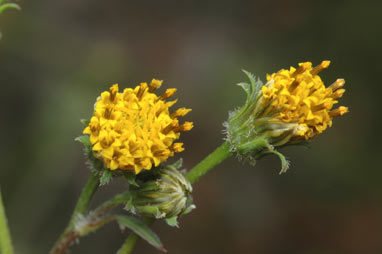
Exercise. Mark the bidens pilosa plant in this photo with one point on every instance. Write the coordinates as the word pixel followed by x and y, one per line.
pixel 133 132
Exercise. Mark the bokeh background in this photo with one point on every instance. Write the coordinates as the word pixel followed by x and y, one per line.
pixel 57 56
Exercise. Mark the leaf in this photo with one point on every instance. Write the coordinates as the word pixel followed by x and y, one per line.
pixel 107 175
pixel 140 229
pixel 84 139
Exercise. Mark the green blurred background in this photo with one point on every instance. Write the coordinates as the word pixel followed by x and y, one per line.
pixel 57 56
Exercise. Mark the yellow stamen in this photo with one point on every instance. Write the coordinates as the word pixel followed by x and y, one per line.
pixel 321 106
pixel 155 84
pixel 168 93
pixel 302 67
pixel 338 93
pixel 185 127
pixel 142 89
pixel 177 147
pixel 113 92
pixel 295 83
pixel 320 67
pixel 339 111
pixel 180 112
pixel 337 84
pixel 174 124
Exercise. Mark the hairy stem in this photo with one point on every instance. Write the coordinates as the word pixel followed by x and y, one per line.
pixel 69 235
pixel 211 161
pixel 117 200
pixel 6 246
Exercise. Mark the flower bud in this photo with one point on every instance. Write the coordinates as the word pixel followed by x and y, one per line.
pixel 293 106
pixel 161 193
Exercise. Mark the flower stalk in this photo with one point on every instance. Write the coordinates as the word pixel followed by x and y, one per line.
pixel 6 246
pixel 211 161
pixel 69 235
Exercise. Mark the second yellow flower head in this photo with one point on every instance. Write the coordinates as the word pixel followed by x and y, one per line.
pixel 292 106
pixel 299 96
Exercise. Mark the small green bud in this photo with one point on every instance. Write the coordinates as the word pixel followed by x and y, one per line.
pixel 161 193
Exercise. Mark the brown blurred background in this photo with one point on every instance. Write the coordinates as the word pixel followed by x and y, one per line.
pixel 57 56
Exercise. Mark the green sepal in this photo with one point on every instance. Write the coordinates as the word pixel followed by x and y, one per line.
pixel 95 163
pixel 189 209
pixel 85 122
pixel 304 143
pixel 129 204
pixel 148 210
pixel 131 178
pixel 149 186
pixel 9 6
pixel 178 164
pixel 140 229
pixel 254 146
pixel 246 87
pixel 255 85
pixel 84 139
pixel 106 176
pixel 172 222
pixel 284 161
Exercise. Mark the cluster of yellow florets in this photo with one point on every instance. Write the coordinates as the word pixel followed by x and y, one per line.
pixel 134 130
pixel 299 96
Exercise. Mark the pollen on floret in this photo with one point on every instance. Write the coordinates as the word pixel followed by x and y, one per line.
pixel 299 96
pixel 134 130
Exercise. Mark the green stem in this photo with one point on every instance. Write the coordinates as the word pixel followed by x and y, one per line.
pixel 216 157
pixel 86 195
pixel 69 235
pixel 117 200
pixel 6 246
pixel 129 244
pixel 212 160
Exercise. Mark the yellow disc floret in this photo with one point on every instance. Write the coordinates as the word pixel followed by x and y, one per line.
pixel 299 96
pixel 134 130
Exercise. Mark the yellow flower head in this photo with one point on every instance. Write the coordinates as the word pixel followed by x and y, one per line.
pixel 292 106
pixel 134 129
pixel 299 96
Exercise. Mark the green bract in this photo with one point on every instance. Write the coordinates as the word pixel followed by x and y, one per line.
pixel 162 193
pixel 251 133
